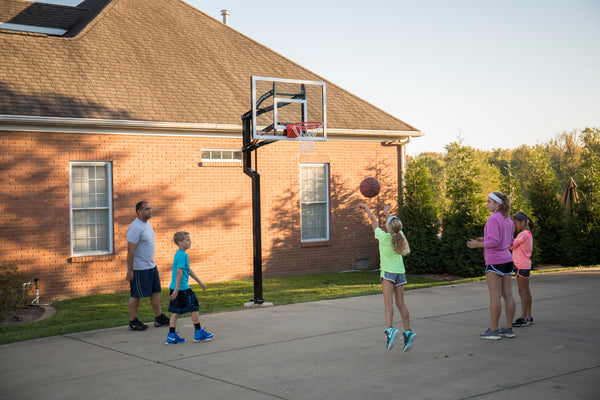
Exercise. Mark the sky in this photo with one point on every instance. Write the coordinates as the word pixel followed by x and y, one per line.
pixel 489 74
pixel 486 73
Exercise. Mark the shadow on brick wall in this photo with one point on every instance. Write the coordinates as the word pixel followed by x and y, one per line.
pixel 351 235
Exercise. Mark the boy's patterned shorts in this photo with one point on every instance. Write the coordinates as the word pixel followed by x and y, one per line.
pixel 185 302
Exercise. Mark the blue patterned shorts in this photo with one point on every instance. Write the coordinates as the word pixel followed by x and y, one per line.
pixel 185 302
pixel 397 279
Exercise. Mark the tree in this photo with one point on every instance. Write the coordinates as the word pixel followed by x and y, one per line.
pixel 420 219
pixel 564 152
pixel 546 210
pixel 436 165
pixel 465 216
pixel 511 185
pixel 582 226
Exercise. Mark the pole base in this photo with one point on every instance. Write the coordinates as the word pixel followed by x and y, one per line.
pixel 253 304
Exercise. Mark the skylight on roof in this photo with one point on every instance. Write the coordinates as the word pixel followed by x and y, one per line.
pixel 31 28
pixel 71 3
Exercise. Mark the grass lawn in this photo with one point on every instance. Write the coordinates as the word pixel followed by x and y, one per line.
pixel 110 310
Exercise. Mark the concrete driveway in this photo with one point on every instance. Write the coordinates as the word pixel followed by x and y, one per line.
pixel 333 349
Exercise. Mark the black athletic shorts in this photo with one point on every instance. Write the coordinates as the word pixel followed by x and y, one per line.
pixel 500 269
pixel 185 302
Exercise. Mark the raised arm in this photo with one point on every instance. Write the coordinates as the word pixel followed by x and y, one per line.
pixel 386 210
pixel 374 222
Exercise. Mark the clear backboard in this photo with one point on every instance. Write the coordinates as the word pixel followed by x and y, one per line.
pixel 279 102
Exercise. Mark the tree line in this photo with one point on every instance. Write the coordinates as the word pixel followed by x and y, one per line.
pixel 443 203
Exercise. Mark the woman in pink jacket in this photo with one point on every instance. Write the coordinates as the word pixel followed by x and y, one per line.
pixel 496 241
pixel 521 249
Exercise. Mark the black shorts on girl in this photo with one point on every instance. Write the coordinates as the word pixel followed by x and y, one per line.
pixel 185 302
pixel 523 273
pixel 500 269
pixel 397 279
pixel 144 283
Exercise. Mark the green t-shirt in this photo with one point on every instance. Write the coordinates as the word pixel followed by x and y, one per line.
pixel 390 261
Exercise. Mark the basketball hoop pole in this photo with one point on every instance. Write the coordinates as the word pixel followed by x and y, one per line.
pixel 292 94
pixel 256 235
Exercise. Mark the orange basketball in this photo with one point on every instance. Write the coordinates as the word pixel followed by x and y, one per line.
pixel 370 187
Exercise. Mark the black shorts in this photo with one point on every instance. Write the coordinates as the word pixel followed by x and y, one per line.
pixel 523 273
pixel 500 269
pixel 185 302
pixel 145 282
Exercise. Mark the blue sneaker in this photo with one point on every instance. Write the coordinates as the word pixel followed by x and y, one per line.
pixel 173 338
pixel 409 340
pixel 491 335
pixel 390 337
pixel 201 335
pixel 507 332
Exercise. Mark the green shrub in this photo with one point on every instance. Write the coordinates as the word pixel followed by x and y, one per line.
pixel 421 223
pixel 13 294
pixel 547 212
pixel 466 214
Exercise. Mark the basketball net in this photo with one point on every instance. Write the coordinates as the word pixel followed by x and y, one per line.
pixel 306 132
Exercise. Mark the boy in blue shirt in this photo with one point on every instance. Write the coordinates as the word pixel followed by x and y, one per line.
pixel 183 299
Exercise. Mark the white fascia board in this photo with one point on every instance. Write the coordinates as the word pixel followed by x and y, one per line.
pixel 371 135
pixel 137 127
pixel 116 127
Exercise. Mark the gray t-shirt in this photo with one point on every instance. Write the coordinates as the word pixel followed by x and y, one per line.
pixel 142 234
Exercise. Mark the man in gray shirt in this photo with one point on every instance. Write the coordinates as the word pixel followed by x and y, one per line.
pixel 142 273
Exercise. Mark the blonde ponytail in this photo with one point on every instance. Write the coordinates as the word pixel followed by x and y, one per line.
pixel 399 241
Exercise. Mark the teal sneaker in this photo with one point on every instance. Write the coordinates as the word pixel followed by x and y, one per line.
pixel 201 335
pixel 409 340
pixel 173 338
pixel 390 337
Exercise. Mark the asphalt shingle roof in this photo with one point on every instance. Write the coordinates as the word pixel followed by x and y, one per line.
pixel 150 61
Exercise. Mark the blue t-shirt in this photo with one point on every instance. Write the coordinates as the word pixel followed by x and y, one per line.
pixel 181 261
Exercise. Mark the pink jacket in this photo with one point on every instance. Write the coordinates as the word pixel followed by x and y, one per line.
pixel 497 238
pixel 522 248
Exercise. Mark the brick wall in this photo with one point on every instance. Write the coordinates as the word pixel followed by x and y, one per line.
pixel 212 201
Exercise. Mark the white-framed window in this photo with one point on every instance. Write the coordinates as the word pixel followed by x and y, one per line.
pixel 221 155
pixel 90 187
pixel 314 202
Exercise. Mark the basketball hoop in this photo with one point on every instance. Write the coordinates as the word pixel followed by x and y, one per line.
pixel 306 132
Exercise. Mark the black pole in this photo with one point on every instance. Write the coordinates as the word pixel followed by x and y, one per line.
pixel 256 226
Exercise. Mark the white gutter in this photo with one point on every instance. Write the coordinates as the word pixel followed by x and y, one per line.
pixel 138 127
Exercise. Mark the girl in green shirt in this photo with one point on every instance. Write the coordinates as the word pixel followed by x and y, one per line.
pixel 392 246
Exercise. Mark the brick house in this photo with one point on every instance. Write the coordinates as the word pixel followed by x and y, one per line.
pixel 115 101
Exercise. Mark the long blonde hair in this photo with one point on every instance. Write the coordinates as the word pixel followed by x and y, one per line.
pixel 399 241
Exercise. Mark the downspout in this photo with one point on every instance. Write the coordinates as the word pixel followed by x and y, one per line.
pixel 401 151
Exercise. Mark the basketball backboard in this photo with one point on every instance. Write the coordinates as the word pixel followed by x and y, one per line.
pixel 278 102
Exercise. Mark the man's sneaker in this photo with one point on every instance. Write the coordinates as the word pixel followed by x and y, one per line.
pixel 390 337
pixel 490 334
pixel 409 340
pixel 136 325
pixel 507 332
pixel 201 335
pixel 521 322
pixel 161 320
pixel 173 338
